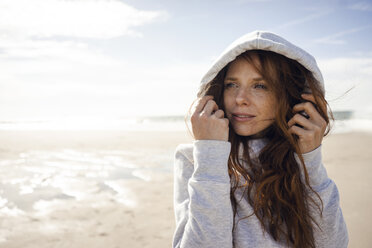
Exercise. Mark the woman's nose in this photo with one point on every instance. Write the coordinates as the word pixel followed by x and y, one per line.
pixel 242 97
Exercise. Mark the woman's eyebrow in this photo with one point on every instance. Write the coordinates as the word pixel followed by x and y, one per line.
pixel 231 79
pixel 235 79
pixel 258 79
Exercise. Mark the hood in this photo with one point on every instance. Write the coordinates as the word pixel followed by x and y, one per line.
pixel 263 40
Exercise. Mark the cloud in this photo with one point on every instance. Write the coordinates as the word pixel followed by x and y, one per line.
pixel 48 30
pixel 98 19
pixel 344 73
pixel 334 39
pixel 305 19
pixel 50 50
pixel 362 6
pixel 48 88
pixel 50 64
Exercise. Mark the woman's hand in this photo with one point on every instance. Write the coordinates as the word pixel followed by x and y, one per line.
pixel 208 122
pixel 312 129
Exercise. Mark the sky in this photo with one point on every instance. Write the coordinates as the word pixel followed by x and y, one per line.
pixel 117 58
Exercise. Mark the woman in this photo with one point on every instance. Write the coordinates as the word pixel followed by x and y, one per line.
pixel 253 177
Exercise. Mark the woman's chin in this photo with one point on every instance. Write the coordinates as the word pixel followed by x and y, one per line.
pixel 244 131
pixel 253 133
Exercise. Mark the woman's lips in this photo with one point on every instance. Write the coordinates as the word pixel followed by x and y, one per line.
pixel 242 117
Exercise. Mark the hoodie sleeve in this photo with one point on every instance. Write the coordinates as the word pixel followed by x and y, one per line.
pixel 333 231
pixel 202 202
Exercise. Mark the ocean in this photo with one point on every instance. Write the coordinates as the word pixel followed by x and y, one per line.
pixel 345 121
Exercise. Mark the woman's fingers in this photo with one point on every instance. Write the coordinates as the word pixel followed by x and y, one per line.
pixel 309 108
pixel 314 121
pixel 300 132
pixel 207 121
pixel 309 130
pixel 219 114
pixel 311 98
pixel 200 104
pixel 206 106
pixel 301 120
pixel 209 108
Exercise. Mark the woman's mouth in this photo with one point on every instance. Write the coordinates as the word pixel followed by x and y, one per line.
pixel 242 117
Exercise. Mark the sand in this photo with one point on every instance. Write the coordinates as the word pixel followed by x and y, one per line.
pixel 64 188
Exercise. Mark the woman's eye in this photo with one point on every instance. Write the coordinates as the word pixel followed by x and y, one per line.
pixel 260 86
pixel 229 85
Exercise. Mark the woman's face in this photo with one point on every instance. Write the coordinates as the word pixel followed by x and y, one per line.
pixel 249 101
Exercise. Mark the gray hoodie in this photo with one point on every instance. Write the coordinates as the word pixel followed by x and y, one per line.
pixel 202 204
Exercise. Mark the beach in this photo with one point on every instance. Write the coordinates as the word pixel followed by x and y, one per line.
pixel 115 188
